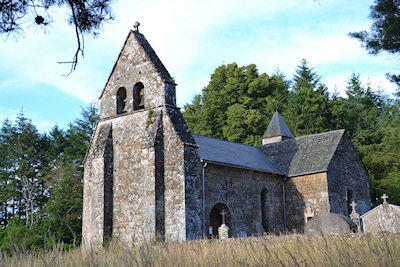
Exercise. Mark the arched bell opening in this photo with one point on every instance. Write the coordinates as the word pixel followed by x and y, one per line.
pixel 138 96
pixel 121 100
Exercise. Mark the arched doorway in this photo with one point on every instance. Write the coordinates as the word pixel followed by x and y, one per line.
pixel 216 219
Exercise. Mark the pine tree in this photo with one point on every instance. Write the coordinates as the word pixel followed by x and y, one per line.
pixel 307 107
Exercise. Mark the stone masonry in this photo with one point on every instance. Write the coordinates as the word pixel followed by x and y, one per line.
pixel 141 170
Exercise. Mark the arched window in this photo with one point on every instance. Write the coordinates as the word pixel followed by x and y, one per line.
pixel 121 99
pixel 138 96
pixel 264 212
pixel 349 196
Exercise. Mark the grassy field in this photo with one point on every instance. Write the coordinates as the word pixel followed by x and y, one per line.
pixel 285 250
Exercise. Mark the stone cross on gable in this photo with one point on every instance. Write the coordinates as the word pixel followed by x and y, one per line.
pixel 136 26
pixel 353 206
pixel 223 213
pixel 384 197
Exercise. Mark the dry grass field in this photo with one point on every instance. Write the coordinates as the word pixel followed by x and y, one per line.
pixel 285 250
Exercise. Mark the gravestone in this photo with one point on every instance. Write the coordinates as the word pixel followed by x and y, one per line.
pixel 329 223
pixel 223 230
pixel 383 218
pixel 354 216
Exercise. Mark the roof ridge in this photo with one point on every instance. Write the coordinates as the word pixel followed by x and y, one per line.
pixel 224 140
pixel 323 133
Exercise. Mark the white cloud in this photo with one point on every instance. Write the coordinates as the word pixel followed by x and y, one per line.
pixel 7 113
pixel 12 115
pixel 192 38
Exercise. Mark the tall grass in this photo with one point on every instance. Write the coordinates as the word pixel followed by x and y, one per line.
pixel 287 250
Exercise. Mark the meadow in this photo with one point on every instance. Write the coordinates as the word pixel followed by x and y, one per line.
pixel 284 250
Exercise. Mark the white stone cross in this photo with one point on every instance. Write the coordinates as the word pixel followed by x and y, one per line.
pixel 353 206
pixel 384 197
pixel 223 213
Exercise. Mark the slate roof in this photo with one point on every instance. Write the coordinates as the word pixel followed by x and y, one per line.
pixel 304 155
pixel 277 127
pixel 234 154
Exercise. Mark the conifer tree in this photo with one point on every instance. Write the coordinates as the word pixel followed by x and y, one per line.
pixel 306 112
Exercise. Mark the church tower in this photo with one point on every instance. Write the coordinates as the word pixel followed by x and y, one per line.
pixel 141 169
pixel 277 130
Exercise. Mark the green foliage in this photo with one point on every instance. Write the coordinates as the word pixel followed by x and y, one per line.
pixel 21 170
pixel 236 103
pixel 308 103
pixel 384 34
pixel 41 178
pixel 18 238
pixel 64 206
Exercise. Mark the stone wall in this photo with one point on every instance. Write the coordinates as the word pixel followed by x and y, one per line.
pixel 175 224
pixel 193 193
pixel 240 190
pixel 142 170
pixel 300 190
pixel 134 143
pixel 346 172
pixel 93 223
pixel 136 63
pixel 153 189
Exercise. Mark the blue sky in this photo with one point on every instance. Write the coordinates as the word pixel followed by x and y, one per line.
pixel 192 38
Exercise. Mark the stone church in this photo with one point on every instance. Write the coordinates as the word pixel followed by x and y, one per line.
pixel 148 177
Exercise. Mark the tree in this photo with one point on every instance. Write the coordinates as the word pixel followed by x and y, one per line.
pixel 22 170
pixel 41 178
pixel 237 104
pixel 78 135
pixel 64 207
pixel 307 107
pixel 384 34
pixel 87 16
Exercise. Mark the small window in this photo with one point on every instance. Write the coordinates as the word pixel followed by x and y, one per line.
pixel 121 100
pixel 138 96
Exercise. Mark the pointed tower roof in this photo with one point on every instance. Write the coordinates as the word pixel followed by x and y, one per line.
pixel 277 127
